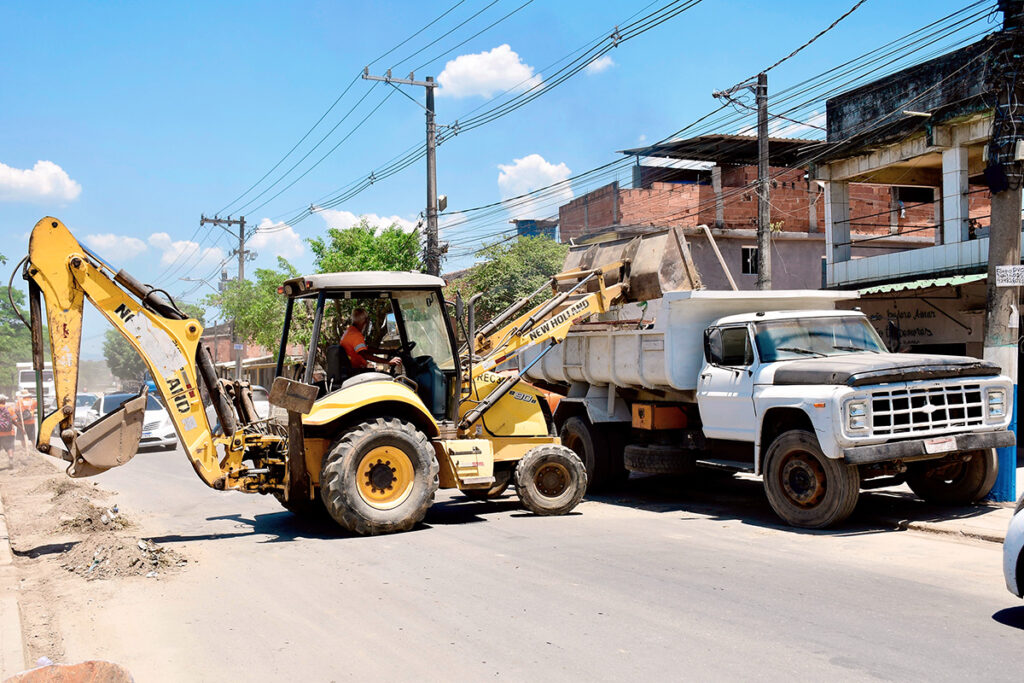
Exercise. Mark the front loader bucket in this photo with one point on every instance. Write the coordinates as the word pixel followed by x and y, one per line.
pixel 110 441
pixel 659 262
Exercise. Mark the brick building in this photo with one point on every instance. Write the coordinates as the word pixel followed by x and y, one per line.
pixel 720 193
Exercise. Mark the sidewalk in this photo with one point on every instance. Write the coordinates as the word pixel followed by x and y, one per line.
pixel 984 521
pixel 12 655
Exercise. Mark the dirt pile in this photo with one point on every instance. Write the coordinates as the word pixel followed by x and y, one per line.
pixel 105 556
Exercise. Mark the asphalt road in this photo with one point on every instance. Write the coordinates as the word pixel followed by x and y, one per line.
pixel 654 583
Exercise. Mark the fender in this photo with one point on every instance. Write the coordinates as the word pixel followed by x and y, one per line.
pixel 345 401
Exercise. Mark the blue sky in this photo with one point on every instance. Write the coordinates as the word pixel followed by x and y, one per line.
pixel 150 114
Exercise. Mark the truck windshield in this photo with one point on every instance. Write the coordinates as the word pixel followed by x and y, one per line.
pixel 815 337
pixel 423 315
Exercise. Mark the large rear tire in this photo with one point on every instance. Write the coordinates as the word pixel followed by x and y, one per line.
pixel 598 447
pixel 550 480
pixel 805 488
pixel 380 477
pixel 307 509
pixel 955 483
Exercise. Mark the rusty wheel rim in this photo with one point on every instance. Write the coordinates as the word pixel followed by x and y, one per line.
pixel 551 479
pixel 803 479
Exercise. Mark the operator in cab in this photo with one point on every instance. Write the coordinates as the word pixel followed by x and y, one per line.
pixel 354 343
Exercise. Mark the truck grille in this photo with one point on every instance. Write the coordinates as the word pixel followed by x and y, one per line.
pixel 909 410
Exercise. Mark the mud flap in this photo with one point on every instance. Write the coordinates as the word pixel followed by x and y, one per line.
pixel 110 441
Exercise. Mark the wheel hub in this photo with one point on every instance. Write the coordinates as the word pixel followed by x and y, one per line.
pixel 385 477
pixel 552 479
pixel 803 480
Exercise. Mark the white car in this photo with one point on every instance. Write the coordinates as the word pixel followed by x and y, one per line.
pixel 1013 552
pixel 157 428
pixel 83 402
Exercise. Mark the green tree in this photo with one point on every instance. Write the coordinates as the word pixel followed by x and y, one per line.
pixel 123 360
pixel 363 247
pixel 509 271
pixel 15 338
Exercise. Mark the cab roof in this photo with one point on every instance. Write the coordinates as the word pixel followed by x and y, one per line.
pixel 762 316
pixel 374 280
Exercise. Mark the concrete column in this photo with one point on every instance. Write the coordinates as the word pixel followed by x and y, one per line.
pixel 894 210
pixel 954 195
pixel 716 185
pixel 937 207
pixel 812 206
pixel 837 221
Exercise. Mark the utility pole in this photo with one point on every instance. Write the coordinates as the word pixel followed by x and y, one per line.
pixel 432 252
pixel 764 214
pixel 1004 174
pixel 224 223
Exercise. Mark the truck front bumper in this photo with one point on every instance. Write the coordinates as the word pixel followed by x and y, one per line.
pixel 918 449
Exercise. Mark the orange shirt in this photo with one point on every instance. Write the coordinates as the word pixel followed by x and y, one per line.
pixel 27 408
pixel 353 342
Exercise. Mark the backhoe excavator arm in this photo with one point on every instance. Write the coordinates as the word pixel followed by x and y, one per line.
pixel 65 274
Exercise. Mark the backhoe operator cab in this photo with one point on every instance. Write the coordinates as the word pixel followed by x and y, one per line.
pixel 407 320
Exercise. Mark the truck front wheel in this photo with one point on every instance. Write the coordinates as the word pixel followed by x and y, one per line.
pixel 956 482
pixel 805 488
pixel 379 477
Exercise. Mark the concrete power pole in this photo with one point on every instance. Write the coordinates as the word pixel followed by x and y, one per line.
pixel 1004 175
pixel 238 348
pixel 432 252
pixel 764 214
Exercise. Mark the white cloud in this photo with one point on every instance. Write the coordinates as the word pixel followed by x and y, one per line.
pixel 486 73
pixel 172 251
pixel 602 63
pixel 44 181
pixel 118 246
pixel 277 239
pixel 339 219
pixel 528 174
pixel 642 138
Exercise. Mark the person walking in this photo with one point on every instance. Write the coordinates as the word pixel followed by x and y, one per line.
pixel 26 407
pixel 6 430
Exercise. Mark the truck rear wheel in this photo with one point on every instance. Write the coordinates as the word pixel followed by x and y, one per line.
pixel 550 480
pixel 599 449
pixel 658 458
pixel 805 488
pixel 379 477
pixel 956 482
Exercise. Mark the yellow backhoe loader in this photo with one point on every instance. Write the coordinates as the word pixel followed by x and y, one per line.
pixel 369 447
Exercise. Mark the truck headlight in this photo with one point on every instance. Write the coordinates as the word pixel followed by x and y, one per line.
pixel 857 415
pixel 996 403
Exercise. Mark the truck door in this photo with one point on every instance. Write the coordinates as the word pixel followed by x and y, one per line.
pixel 726 386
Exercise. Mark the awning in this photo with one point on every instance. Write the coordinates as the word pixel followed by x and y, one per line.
pixel 927 283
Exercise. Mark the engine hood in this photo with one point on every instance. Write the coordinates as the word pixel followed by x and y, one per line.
pixel 858 369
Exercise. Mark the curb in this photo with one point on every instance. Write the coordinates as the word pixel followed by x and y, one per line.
pixel 12 649
pixel 946 529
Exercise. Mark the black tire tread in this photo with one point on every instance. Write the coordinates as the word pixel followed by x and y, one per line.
pixel 532 499
pixel 658 459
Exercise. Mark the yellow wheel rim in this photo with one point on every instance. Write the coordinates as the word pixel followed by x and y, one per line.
pixel 385 477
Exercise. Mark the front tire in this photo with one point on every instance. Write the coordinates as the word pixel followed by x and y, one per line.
pixel 550 480
pixel 955 483
pixel 805 488
pixel 380 477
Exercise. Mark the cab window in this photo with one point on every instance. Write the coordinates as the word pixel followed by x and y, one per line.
pixel 423 315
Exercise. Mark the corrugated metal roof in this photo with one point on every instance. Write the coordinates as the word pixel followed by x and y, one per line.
pixel 927 283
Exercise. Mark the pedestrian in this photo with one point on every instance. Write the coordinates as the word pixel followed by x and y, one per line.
pixel 6 430
pixel 26 418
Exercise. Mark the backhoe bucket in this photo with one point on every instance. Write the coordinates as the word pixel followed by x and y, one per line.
pixel 110 441
pixel 659 262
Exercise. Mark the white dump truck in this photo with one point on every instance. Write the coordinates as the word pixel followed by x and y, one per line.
pixel 781 384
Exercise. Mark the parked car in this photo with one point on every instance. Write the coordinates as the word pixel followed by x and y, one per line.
pixel 157 428
pixel 1013 552
pixel 83 402
pixel 260 401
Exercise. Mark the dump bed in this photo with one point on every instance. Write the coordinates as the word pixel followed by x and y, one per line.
pixel 664 350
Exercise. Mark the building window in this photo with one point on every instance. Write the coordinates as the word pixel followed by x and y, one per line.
pixel 749 265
